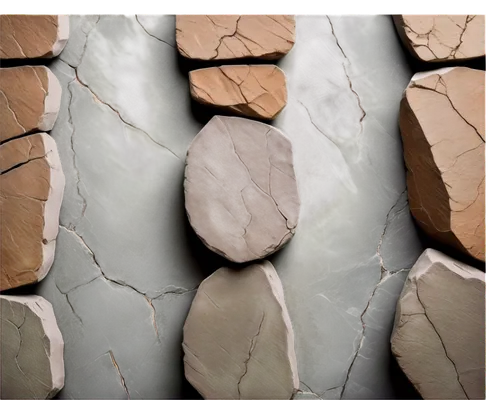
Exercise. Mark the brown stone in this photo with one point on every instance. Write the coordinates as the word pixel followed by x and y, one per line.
pixel 238 338
pixel 257 91
pixel 29 100
pixel 31 354
pixel 439 329
pixel 442 121
pixel 223 37
pixel 32 185
pixel 33 36
pixel 241 193
pixel 442 37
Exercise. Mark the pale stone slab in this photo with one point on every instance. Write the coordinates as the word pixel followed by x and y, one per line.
pixel 437 38
pixel 30 97
pixel 257 91
pixel 241 193
pixel 32 185
pixel 32 36
pixel 439 329
pixel 238 338
pixel 222 37
pixel 31 354
pixel 446 161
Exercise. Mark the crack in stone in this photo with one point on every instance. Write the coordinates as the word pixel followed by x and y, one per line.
pixel 24 163
pixel 253 343
pixel 65 294
pixel 225 36
pixel 416 85
pixel 363 112
pixel 150 34
pixel 440 338
pixel 149 300
pixel 12 111
pixel 115 364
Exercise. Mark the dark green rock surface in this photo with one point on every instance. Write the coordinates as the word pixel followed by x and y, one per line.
pixel 127 262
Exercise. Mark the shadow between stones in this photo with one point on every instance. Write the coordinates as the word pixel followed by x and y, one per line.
pixel 403 388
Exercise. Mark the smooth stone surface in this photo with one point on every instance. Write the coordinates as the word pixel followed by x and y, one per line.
pixel 238 338
pixel 32 183
pixel 257 91
pixel 124 209
pixel 438 38
pixel 241 192
pixel 446 161
pixel 223 37
pixel 439 329
pixel 32 36
pixel 30 97
pixel 31 351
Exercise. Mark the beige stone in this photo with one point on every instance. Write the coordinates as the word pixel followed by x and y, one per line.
pixel 32 36
pixel 238 338
pixel 442 121
pixel 30 97
pixel 241 194
pixel 257 91
pixel 222 37
pixel 31 190
pixel 442 37
pixel 31 354
pixel 439 329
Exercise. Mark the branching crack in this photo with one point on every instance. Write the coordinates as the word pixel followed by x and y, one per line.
pixel 440 338
pixel 253 343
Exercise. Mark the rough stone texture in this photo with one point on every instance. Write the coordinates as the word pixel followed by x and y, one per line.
pixel 437 38
pixel 123 131
pixel 439 329
pixel 445 161
pixel 222 37
pixel 29 100
pixel 32 183
pixel 31 354
pixel 257 91
pixel 32 36
pixel 238 338
pixel 241 192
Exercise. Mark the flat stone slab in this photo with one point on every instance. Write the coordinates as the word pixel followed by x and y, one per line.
pixel 32 184
pixel 32 36
pixel 439 329
pixel 238 338
pixel 224 37
pixel 241 193
pixel 30 97
pixel 437 38
pixel 446 161
pixel 257 91
pixel 32 347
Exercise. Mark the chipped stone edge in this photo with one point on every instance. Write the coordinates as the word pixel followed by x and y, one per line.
pixel 45 312
pixel 52 206
pixel 425 74
pixel 52 102
pixel 278 292
pixel 62 35
pixel 434 257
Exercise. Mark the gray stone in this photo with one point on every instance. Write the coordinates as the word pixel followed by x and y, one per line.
pixel 31 354
pixel 238 338
pixel 241 193
pixel 439 328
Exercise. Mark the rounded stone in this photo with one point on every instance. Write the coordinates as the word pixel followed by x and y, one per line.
pixel 241 194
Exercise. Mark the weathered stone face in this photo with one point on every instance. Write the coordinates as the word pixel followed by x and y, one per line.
pixel 222 37
pixel 240 188
pixel 257 91
pixel 32 183
pixel 443 129
pixel 33 36
pixel 439 329
pixel 238 338
pixel 442 37
pixel 31 355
